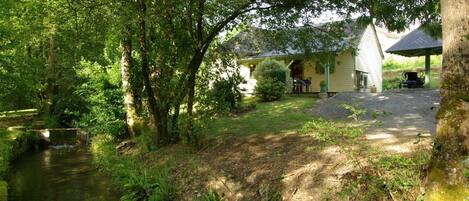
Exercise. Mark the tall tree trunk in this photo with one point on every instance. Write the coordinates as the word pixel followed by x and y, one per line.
pixel 193 69
pixel 156 118
pixel 50 77
pixel 446 176
pixel 126 70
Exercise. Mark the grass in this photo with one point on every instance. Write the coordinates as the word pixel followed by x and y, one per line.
pixel 174 172
pixel 392 177
pixel 285 115
pixel 331 131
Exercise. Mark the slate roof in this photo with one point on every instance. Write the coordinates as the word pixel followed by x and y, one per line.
pixel 416 43
pixel 250 44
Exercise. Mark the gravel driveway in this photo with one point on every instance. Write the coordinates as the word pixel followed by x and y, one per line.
pixel 403 116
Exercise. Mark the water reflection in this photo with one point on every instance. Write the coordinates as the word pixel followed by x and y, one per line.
pixel 59 174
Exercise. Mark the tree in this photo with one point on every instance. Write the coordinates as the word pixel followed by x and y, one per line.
pixel 179 35
pixel 126 68
pixel 453 126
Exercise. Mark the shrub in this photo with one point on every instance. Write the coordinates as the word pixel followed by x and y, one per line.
pixel 226 93
pixel 273 79
pixel 391 83
pixel 355 111
pixel 269 89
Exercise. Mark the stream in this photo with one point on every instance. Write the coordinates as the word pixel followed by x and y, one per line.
pixel 58 174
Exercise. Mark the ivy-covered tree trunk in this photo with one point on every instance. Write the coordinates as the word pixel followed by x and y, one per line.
pixel 50 77
pixel 446 179
pixel 193 69
pixel 129 96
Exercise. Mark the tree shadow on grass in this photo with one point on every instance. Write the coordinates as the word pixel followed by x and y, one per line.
pixel 296 166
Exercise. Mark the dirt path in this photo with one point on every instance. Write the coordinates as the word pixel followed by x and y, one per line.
pixel 404 118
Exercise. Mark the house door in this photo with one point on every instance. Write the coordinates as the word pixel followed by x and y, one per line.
pixel 296 69
pixel 296 72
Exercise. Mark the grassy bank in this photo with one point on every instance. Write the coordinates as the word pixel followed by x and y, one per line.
pixel 12 144
pixel 275 152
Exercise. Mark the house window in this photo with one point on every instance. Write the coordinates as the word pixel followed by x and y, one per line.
pixel 252 67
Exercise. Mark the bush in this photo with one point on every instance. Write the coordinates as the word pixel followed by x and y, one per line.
pixel 269 89
pixel 391 83
pixel 226 94
pixel 273 79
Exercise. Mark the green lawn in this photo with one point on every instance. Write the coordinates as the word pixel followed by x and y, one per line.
pixel 288 114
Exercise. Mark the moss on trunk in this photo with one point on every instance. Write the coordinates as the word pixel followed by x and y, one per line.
pixel 446 180
pixel 3 190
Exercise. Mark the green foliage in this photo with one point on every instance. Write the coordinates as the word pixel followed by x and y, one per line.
pixel 354 110
pixel 323 62
pixel 330 131
pixel 5 153
pixel 271 69
pixel 269 90
pixel 323 86
pixel 391 83
pixel 138 183
pixel 12 144
pixel 34 72
pixel 376 114
pixel 102 91
pixel 411 64
pixel 226 94
pixel 272 77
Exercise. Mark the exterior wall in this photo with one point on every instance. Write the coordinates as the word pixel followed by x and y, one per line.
pixel 369 58
pixel 246 74
pixel 342 80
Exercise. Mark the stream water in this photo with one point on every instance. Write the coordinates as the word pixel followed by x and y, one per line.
pixel 59 174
